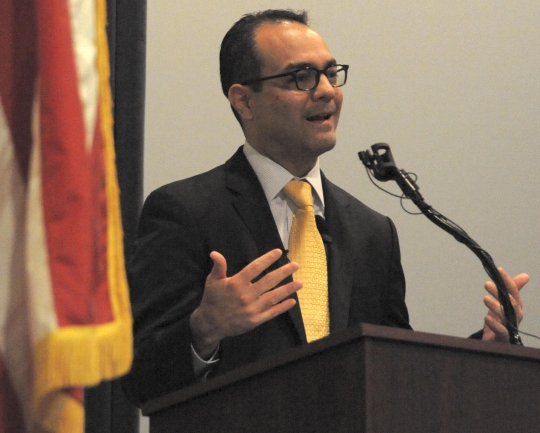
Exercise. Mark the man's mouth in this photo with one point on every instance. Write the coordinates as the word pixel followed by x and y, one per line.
pixel 319 117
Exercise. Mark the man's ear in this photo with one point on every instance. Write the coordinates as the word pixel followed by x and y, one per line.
pixel 240 98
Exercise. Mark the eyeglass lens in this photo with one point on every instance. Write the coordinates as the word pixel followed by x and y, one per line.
pixel 308 79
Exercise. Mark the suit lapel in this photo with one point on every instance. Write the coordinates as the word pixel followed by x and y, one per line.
pixel 252 207
pixel 339 256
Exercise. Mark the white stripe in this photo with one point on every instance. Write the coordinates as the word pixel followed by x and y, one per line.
pixel 83 29
pixel 11 221
pixel 14 333
pixel 40 290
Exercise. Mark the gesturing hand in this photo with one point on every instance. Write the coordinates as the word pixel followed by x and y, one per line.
pixel 235 305
pixel 494 322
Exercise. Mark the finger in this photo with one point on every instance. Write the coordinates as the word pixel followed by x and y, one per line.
pixel 273 303
pixel 498 329
pixel 219 269
pixel 272 279
pixel 491 288
pixel 509 283
pixel 257 266
pixel 520 280
pixel 276 310
pixel 513 285
pixel 276 296
pixel 277 301
pixel 494 307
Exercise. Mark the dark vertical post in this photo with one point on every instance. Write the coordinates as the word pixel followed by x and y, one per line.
pixel 107 409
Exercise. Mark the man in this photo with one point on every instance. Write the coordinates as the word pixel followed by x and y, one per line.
pixel 211 286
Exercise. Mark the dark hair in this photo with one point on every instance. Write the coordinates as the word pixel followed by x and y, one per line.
pixel 239 60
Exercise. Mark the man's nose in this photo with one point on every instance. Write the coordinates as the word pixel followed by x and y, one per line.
pixel 324 89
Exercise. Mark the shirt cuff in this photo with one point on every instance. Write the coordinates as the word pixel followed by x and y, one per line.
pixel 202 367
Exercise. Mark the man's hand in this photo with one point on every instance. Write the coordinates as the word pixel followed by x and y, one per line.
pixel 494 322
pixel 234 305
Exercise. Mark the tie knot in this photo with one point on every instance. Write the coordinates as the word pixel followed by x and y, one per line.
pixel 299 192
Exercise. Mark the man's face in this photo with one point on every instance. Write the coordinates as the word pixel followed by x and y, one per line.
pixel 291 126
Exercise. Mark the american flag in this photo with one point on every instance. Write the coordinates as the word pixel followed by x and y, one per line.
pixel 65 319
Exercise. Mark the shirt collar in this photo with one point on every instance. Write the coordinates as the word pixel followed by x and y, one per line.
pixel 274 177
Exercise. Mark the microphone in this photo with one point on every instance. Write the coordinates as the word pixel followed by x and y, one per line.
pixel 322 226
pixel 383 168
pixel 381 165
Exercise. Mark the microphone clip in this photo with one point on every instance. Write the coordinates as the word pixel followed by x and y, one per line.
pixel 381 164
pixel 383 168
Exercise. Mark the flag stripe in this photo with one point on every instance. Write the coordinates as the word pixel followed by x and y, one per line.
pixel 66 169
pixel 14 369
pixel 17 73
pixel 83 28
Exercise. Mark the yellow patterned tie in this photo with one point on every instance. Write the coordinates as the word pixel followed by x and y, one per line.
pixel 307 249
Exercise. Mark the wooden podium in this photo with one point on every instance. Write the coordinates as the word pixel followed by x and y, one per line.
pixel 370 379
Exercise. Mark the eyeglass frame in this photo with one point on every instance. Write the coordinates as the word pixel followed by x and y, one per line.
pixel 296 71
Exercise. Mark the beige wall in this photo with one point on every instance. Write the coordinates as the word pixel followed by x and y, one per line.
pixel 452 86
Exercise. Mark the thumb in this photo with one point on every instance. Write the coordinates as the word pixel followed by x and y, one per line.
pixel 219 270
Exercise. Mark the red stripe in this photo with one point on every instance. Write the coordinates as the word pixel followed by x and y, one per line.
pixel 11 419
pixel 66 169
pixel 17 73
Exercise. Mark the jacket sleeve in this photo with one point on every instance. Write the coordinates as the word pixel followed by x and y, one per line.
pixel 166 277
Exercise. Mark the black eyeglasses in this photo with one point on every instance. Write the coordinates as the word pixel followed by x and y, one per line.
pixel 308 78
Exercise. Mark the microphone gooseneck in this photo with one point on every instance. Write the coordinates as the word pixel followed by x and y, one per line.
pixel 381 165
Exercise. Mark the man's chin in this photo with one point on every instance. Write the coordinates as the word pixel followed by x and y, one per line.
pixel 325 144
pixel 320 149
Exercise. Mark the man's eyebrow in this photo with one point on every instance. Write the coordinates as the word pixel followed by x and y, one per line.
pixel 301 65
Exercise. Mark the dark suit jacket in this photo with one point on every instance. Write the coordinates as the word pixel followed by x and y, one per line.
pixel 226 210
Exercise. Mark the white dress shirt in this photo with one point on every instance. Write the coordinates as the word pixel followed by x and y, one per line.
pixel 273 178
